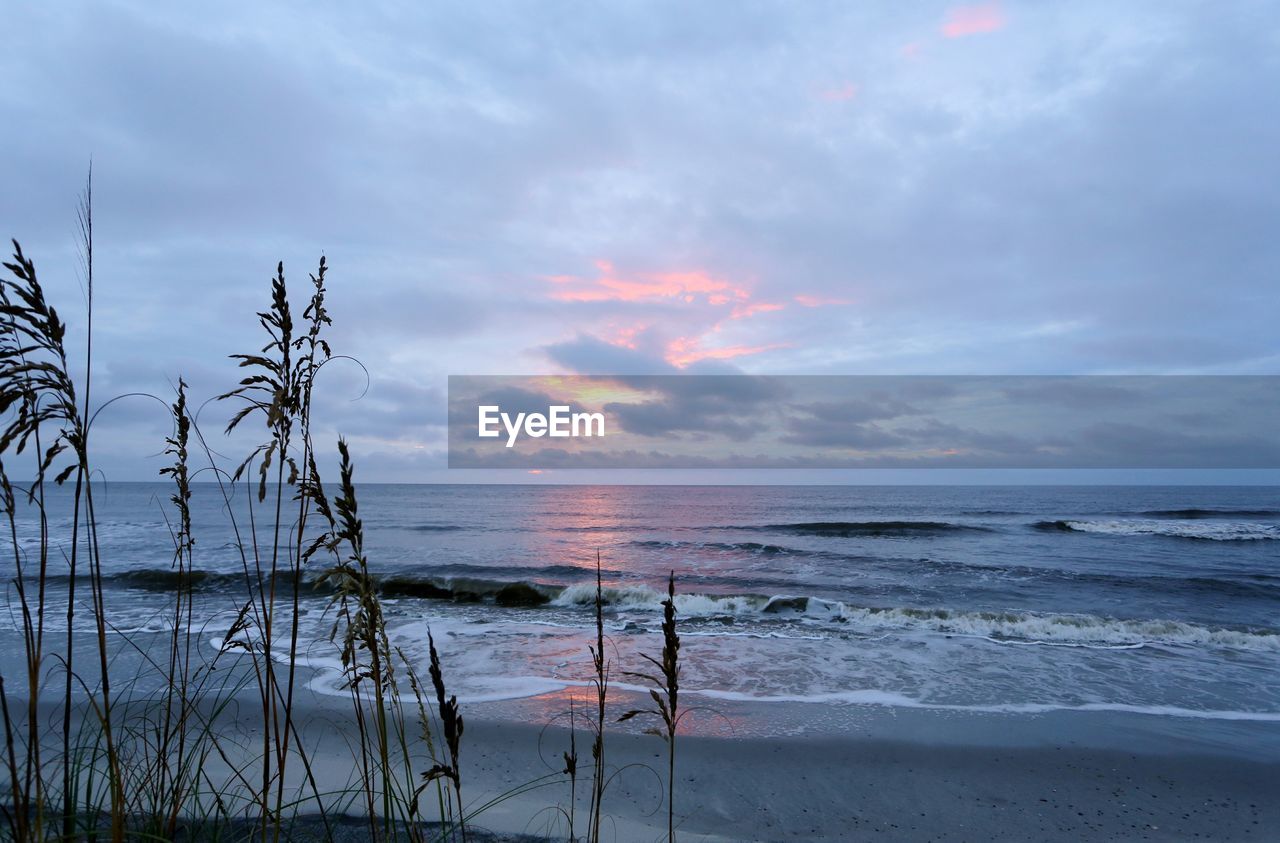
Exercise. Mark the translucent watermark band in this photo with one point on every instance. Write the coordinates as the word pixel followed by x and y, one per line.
pixel 742 421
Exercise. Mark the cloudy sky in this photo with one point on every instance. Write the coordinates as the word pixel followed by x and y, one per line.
pixel 626 188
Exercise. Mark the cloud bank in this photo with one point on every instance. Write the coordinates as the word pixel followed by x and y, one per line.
pixel 773 188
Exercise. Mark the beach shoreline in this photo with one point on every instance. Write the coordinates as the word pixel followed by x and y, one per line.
pixel 983 784
pixel 901 775
pixel 929 776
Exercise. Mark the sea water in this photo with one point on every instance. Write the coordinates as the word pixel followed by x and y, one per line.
pixel 1163 601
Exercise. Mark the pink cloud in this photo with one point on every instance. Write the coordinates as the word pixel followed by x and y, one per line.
pixel 840 93
pixel 973 20
pixel 742 311
pixel 712 303
pixel 611 285
pixel 912 50
pixel 818 301
pixel 682 351
pixel 687 286
pixel 625 336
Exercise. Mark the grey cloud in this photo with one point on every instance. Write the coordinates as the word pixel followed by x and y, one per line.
pixel 1088 190
pixel 1000 444
pixel 735 406
pixel 856 410
pixel 833 433
pixel 848 423
pixel 697 416
pixel 1076 393
pixel 587 355
pixel 1144 446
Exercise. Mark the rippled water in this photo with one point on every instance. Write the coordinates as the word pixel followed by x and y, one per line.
pixel 1159 600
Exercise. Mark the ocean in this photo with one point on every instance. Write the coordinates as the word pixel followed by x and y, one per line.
pixel 1162 601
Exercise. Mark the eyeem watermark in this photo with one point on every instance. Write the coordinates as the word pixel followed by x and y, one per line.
pixel 558 422
pixel 865 421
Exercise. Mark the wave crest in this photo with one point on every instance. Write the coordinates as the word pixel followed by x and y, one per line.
pixel 1185 529
pixel 848 529
pixel 999 627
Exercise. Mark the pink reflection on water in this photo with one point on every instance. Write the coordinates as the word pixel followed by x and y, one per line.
pixel 699 717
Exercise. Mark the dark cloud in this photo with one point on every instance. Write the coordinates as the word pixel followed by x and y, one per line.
pixel 834 433
pixel 667 418
pixel 733 406
pixel 1076 393
pixel 1146 446
pixel 858 410
pixel 848 423
pixel 586 355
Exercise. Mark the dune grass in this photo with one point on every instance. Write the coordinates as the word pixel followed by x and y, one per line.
pixel 665 694
pixel 138 764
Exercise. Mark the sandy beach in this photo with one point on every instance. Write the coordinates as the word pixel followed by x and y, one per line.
pixel 897 788
pixel 915 775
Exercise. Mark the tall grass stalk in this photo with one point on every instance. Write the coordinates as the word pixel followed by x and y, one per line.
pixel 366 649
pixel 665 693
pixel 25 814
pixel 600 681
pixel 451 725
pixel 571 770
pixel 172 783
pixel 37 387
pixel 79 440
pixel 279 389
pixel 314 352
pixel 269 392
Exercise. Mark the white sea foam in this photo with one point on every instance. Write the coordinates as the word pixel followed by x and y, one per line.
pixel 489 688
pixel 1076 630
pixel 643 597
pixel 1066 630
pixel 1208 530
pixel 486 662
pixel 895 700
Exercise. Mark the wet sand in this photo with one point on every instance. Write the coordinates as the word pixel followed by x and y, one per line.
pixel 881 773
pixel 891 774
pixel 830 788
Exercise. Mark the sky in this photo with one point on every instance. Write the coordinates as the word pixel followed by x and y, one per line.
pixel 789 188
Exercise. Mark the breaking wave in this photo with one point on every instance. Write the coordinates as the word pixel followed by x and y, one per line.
pixel 1201 530
pixel 998 627
pixel 747 547
pixel 847 529
pixel 1194 513
pixel 1011 627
